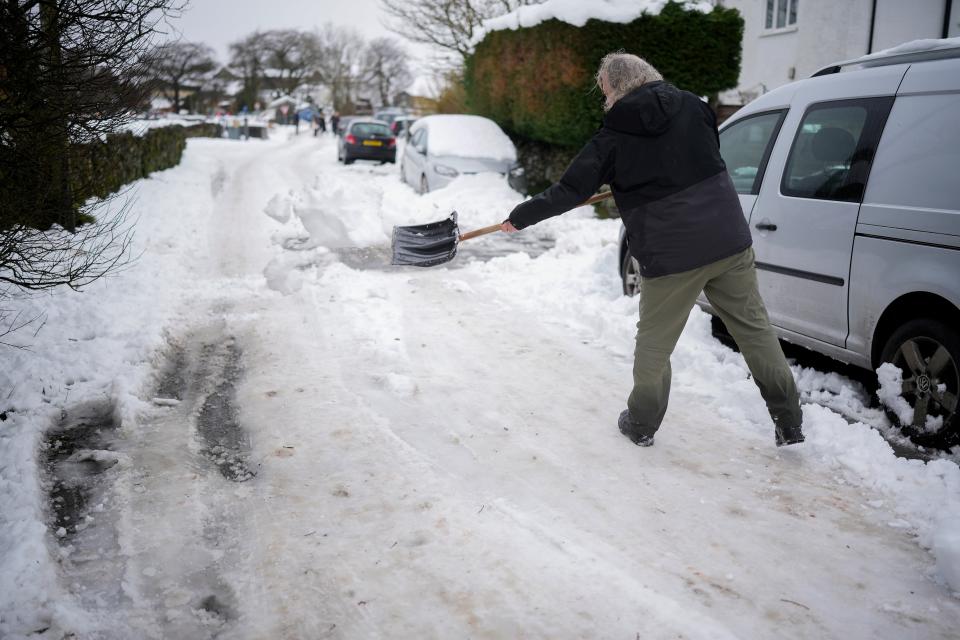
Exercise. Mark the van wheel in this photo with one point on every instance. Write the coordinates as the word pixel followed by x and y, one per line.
pixel 927 351
pixel 347 160
pixel 424 187
pixel 631 276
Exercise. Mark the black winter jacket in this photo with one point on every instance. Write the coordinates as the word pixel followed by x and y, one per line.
pixel 659 151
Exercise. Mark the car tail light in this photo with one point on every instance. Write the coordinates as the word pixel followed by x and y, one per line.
pixel 350 139
pixel 392 142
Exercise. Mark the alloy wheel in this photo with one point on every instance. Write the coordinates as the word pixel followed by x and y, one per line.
pixel 930 380
pixel 631 276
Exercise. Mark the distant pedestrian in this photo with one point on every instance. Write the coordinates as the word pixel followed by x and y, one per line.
pixel 658 150
pixel 335 123
pixel 321 121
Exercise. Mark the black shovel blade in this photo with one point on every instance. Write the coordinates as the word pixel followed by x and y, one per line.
pixel 426 245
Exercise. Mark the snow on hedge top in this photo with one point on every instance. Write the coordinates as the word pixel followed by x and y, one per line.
pixel 577 12
pixel 466 136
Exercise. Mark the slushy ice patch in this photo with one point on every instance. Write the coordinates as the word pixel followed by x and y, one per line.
pixel 224 441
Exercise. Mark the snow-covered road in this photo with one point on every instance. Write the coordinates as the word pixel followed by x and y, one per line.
pixel 312 444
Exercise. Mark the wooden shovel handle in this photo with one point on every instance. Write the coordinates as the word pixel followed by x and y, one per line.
pixel 480 232
pixel 496 227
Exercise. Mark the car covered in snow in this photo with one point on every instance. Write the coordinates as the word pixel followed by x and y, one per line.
pixel 367 139
pixel 850 181
pixel 442 147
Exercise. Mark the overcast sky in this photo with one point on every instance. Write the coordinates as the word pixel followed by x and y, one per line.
pixel 220 22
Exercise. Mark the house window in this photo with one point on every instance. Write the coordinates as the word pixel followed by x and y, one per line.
pixel 781 14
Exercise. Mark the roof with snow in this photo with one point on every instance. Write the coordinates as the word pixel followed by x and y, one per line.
pixel 577 12
pixel 285 99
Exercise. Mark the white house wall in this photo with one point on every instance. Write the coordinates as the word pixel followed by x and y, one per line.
pixel 900 21
pixel 826 31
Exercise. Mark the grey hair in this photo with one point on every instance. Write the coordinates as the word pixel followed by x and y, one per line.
pixel 624 72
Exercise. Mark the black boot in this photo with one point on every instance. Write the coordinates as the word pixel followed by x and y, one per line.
pixel 632 431
pixel 788 434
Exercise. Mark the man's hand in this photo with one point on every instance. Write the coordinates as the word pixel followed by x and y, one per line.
pixel 507 227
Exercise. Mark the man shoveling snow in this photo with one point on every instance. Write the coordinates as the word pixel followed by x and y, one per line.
pixel 659 151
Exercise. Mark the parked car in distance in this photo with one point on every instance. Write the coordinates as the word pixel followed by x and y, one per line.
pixel 389 114
pixel 849 181
pixel 401 125
pixel 442 147
pixel 367 139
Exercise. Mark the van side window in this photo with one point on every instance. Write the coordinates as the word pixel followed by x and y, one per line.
pixel 745 147
pixel 918 161
pixel 832 151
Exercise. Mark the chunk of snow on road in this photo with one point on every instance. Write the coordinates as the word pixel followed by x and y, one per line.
pixel 890 392
pixel 280 208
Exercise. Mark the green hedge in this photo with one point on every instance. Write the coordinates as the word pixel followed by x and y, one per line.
pixel 538 82
pixel 101 168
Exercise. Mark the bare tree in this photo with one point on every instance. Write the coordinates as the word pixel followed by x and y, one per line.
pixel 70 72
pixel 387 69
pixel 176 64
pixel 248 57
pixel 35 260
pixel 447 24
pixel 340 63
pixel 294 54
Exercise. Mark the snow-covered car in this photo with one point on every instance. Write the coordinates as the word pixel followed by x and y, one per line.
pixel 442 147
pixel 367 139
pixel 849 181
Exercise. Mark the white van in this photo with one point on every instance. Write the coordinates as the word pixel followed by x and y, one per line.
pixel 850 181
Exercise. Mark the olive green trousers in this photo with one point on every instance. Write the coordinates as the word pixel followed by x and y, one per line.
pixel 730 286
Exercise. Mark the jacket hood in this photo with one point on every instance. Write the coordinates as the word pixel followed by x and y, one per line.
pixel 645 111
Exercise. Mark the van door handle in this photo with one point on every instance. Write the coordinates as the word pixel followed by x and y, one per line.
pixel 766 226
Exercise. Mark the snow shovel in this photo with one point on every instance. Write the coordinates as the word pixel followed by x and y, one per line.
pixel 427 245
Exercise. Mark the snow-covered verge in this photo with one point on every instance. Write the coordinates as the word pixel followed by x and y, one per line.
pixel 577 12
pixel 100 344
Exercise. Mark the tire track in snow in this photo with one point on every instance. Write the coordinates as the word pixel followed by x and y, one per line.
pixel 184 525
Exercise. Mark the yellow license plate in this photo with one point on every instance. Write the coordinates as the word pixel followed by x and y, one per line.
pixel 372 143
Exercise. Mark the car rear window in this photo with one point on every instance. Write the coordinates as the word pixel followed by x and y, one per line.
pixel 370 129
